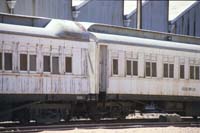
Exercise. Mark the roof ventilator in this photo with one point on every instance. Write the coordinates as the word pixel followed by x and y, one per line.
pixel 11 5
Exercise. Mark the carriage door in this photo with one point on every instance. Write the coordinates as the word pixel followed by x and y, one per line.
pixel 103 58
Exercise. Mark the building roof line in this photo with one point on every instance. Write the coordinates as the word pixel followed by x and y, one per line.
pixel 77 7
pixel 184 12
pixel 127 16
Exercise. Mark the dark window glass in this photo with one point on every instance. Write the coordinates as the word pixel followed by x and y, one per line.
pixel 182 72
pixel 32 62
pixel 165 70
pixel 128 67
pixel 46 64
pixel 154 69
pixel 191 72
pixel 115 66
pixel 23 62
pixel 197 72
pixel 8 61
pixel 0 61
pixel 171 70
pixel 135 68
pixel 68 64
pixel 148 70
pixel 55 65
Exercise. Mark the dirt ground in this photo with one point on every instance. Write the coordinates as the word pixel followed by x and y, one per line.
pixel 133 130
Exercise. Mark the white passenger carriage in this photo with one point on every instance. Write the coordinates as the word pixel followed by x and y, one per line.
pixel 156 69
pixel 66 69
pixel 141 66
pixel 45 60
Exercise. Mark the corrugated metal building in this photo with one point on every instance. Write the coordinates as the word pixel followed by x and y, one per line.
pixel 60 9
pixel 188 22
pixel 108 12
pixel 154 16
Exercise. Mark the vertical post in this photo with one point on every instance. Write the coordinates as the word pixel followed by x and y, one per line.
pixel 139 14
pixel 33 8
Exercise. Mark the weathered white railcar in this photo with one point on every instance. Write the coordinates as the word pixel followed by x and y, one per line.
pixel 74 69
pixel 150 67
pixel 52 60
pixel 158 69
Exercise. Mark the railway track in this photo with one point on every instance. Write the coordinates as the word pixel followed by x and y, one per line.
pixel 95 125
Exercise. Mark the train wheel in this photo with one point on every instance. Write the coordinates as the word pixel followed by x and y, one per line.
pixel 121 117
pixel 24 116
pixel 195 118
pixel 95 117
pixel 67 118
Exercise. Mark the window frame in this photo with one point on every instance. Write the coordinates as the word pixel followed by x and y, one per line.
pixel 51 64
pixel 1 61
pixel 194 66
pixel 47 72
pixel 4 64
pixel 68 73
pixel 29 61
pixel 130 68
pixel 168 74
pixel 114 75
pixel 180 71
pixel 19 64
pixel 151 69
pixel 133 67
pixel 131 60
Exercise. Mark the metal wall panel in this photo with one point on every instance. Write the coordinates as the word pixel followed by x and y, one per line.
pixel 154 16
pixel 187 23
pixel 25 7
pixel 3 6
pixel 53 8
pixel 107 12
pixel 60 9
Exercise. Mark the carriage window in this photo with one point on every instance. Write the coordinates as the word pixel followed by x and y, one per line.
pixel 46 64
pixel 0 61
pixel 32 62
pixel 115 66
pixel 171 70
pixel 154 72
pixel 182 72
pixel 8 61
pixel 68 64
pixel 165 71
pixel 168 70
pixel 194 72
pixel 197 72
pixel 23 62
pixel 191 72
pixel 148 69
pixel 135 68
pixel 151 69
pixel 55 65
pixel 128 67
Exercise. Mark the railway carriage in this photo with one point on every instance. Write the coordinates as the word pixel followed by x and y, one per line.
pixel 57 69
pixel 152 73
pixel 47 62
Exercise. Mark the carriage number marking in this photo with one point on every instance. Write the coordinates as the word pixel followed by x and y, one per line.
pixel 188 89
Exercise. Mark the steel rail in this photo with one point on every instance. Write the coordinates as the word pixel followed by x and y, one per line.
pixel 96 125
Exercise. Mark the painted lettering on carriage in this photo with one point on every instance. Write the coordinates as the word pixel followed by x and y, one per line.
pixel 188 89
